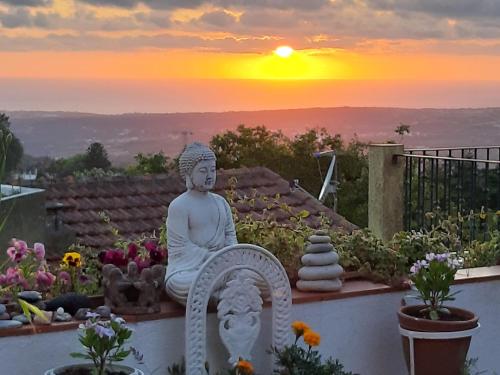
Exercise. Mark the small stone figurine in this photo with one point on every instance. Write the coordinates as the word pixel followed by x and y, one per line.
pixel 321 270
pixel 133 292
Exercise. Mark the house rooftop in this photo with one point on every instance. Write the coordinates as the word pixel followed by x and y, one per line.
pixel 138 205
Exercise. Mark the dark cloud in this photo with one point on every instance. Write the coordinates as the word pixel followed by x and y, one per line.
pixel 19 17
pixel 442 8
pixel 189 4
pixel 157 4
pixel 274 4
pixel 26 2
pixel 269 19
pixel 218 18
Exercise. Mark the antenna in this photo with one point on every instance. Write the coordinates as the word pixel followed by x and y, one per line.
pixel 330 182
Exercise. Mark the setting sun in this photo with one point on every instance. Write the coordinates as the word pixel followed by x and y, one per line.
pixel 284 51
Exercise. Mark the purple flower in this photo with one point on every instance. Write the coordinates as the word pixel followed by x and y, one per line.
pixel 430 257
pixel 83 279
pixel 39 250
pixel 64 277
pixel 442 257
pixel 92 315
pixel 415 268
pixel 103 331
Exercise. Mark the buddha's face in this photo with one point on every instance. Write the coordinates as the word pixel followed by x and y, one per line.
pixel 203 175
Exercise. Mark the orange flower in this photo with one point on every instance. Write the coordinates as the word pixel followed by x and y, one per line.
pixel 244 367
pixel 312 338
pixel 299 328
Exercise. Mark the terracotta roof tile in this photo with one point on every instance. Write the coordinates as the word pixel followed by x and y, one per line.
pixel 138 205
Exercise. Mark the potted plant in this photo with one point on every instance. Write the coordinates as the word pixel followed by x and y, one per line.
pixel 435 337
pixel 103 342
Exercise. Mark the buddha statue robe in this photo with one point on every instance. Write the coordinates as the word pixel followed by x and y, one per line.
pixel 197 226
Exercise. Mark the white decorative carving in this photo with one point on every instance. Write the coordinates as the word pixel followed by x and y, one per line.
pixel 222 264
pixel 239 311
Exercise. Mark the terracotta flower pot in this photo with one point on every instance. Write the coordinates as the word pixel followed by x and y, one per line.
pixel 86 369
pixel 439 346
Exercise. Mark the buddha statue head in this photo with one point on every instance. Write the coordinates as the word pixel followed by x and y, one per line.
pixel 197 166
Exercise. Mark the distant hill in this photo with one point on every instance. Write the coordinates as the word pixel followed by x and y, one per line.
pixel 61 134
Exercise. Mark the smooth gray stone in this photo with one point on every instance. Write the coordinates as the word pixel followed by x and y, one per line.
pixel 64 317
pixel 104 311
pixel 10 324
pixel 320 239
pixel 81 313
pixel 319 248
pixel 21 318
pixel 30 296
pixel 5 316
pixel 319 285
pixel 70 302
pixel 41 305
pixel 320 272
pixel 320 259
pixel 3 309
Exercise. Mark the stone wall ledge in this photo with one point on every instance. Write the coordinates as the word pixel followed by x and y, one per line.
pixel 351 289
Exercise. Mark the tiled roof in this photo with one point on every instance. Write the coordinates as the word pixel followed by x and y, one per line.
pixel 138 205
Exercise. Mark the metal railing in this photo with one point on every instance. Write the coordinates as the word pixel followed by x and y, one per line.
pixel 456 182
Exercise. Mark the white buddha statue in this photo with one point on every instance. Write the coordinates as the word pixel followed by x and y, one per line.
pixel 198 222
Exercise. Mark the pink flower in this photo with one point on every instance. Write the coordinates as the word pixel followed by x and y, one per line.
pixel 132 250
pixel 116 257
pixel 39 250
pixel 142 263
pixel 3 280
pixel 64 277
pixel 158 255
pixel 150 245
pixel 11 252
pixel 21 246
pixel 44 279
pixel 18 251
pixel 14 277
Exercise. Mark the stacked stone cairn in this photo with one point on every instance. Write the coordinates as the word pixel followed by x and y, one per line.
pixel 321 270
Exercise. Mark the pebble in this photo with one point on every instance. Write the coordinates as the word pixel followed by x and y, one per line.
pixel 3 308
pixel 320 259
pixel 320 272
pixel 70 302
pixel 319 285
pixel 319 248
pixel 81 313
pixel 104 311
pixel 30 296
pixel 62 316
pixel 21 318
pixel 10 324
pixel 319 239
pixel 5 316
pixel 48 316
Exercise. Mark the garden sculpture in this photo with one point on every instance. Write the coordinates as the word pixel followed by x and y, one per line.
pixel 199 222
pixel 321 270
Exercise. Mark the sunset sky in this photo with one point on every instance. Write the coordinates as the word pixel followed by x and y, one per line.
pixel 184 55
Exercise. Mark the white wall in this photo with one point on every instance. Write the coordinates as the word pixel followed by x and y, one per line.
pixel 361 331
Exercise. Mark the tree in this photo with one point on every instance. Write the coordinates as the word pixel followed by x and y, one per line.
pixel 14 151
pixel 151 164
pixel 294 159
pixel 402 129
pixel 96 157
pixel 67 167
